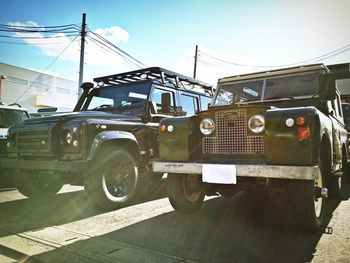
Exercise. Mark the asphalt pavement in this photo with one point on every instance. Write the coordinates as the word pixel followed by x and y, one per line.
pixel 244 228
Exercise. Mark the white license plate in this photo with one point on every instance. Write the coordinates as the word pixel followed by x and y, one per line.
pixel 219 173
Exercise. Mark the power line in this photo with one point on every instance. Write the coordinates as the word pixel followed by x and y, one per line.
pixel 117 48
pixel 68 29
pixel 33 82
pixel 113 51
pixel 127 63
pixel 41 37
pixel 22 26
pixel 22 43
pixel 327 55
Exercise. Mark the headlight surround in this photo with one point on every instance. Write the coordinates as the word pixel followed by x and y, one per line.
pixel 256 123
pixel 207 126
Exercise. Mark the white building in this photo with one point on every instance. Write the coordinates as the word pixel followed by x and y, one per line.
pixel 32 89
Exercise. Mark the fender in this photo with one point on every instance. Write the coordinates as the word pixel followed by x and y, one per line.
pixel 106 137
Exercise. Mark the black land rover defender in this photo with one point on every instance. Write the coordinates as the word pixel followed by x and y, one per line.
pixel 107 143
pixel 278 131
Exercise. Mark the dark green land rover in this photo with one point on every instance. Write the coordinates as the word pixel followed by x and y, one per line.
pixel 277 131
pixel 109 140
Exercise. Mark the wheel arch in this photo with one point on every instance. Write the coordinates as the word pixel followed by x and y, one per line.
pixel 114 140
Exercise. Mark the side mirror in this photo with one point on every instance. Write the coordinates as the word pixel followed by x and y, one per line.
pixel 327 87
pixel 166 102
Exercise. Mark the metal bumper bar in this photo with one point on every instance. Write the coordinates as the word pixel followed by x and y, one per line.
pixel 260 171
pixel 62 166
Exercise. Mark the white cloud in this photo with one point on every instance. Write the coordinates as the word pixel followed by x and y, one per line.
pixel 114 34
pixel 209 66
pixel 19 24
pixel 95 53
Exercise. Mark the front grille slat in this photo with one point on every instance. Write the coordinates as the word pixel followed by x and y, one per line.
pixel 232 135
pixel 34 142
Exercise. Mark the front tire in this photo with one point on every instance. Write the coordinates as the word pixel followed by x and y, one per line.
pixel 36 185
pixel 185 192
pixel 112 182
pixel 309 203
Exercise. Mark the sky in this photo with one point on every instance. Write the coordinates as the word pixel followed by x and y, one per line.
pixel 233 36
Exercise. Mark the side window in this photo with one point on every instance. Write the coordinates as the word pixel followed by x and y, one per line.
pixel 204 103
pixel 163 101
pixel 189 104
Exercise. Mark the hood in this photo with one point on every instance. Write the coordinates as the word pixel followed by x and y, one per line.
pixel 82 115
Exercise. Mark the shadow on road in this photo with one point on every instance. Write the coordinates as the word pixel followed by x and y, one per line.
pixel 27 214
pixel 241 229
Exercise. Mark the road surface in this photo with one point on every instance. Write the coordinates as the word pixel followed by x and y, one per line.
pixel 241 229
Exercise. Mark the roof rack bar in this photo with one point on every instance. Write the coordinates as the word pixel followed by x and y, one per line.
pixel 154 73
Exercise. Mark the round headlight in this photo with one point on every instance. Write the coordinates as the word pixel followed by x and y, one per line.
pixel 207 126
pixel 256 123
pixel 69 137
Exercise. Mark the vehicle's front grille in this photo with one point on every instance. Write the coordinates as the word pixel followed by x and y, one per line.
pixel 232 135
pixel 34 142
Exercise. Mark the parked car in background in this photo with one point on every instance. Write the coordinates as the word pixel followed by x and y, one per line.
pixel 9 115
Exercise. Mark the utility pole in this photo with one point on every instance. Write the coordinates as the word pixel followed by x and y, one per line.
pixel 82 51
pixel 195 62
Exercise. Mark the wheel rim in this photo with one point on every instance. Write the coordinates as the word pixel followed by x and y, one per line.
pixel 191 187
pixel 118 181
pixel 318 201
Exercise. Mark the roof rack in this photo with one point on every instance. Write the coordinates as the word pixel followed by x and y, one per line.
pixel 155 73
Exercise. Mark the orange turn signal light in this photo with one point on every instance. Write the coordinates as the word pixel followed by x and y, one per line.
pixel 300 121
pixel 162 128
pixel 303 133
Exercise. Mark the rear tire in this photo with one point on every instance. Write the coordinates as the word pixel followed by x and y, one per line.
pixel 35 185
pixel 185 192
pixel 335 186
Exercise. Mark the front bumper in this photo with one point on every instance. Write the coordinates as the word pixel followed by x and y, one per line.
pixel 59 166
pixel 257 171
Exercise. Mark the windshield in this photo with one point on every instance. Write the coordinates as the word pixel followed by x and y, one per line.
pixel 10 117
pixel 128 99
pixel 272 88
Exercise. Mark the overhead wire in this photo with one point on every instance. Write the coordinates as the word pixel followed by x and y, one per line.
pixel 23 43
pixel 327 55
pixel 39 37
pixel 122 52
pixel 26 26
pixel 56 58
pixel 110 49
pixel 68 30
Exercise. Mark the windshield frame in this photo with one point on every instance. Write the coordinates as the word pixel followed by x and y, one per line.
pixel 147 85
pixel 265 90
